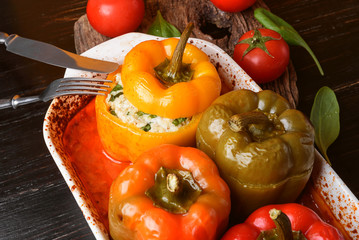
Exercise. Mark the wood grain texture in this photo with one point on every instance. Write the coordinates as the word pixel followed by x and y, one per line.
pixel 35 202
pixel 211 24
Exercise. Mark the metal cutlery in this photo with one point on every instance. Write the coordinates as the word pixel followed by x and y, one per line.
pixel 61 87
pixel 52 55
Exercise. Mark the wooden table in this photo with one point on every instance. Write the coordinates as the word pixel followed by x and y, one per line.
pixel 35 202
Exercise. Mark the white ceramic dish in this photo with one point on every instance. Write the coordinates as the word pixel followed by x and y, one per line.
pixel 343 204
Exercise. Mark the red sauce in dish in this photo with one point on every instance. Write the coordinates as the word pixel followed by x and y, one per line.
pixel 94 167
pixel 97 170
pixel 311 198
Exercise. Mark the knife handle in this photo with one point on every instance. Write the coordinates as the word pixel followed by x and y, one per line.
pixel 3 37
pixel 17 101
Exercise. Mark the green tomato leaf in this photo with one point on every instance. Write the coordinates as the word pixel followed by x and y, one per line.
pixel 325 118
pixel 160 27
pixel 289 34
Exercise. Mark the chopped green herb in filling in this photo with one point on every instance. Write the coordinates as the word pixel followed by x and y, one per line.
pixel 178 121
pixel 147 127
pixel 116 92
pixel 118 87
pixel 113 112
pixel 120 107
pixel 140 113
pixel 113 97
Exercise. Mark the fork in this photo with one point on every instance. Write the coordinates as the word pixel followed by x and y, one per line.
pixel 61 87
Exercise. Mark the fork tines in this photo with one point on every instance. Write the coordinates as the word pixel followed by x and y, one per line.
pixel 78 85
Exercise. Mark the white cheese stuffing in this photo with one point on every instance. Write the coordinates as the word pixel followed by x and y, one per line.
pixel 128 113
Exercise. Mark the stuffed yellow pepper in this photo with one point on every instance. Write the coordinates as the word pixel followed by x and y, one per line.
pixel 157 97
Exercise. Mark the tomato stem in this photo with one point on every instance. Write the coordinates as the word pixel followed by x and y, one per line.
pixel 257 41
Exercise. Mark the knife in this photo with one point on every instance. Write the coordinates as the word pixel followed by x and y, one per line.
pixel 50 54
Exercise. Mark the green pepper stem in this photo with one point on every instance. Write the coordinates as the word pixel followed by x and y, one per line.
pixel 283 229
pixel 173 71
pixel 240 122
pixel 176 61
pixel 174 190
pixel 282 223
pixel 173 183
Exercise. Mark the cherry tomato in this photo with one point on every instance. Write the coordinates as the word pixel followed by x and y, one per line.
pixel 115 17
pixel 233 5
pixel 250 53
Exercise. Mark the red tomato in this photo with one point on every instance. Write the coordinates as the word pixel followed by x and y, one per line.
pixel 261 66
pixel 233 5
pixel 115 17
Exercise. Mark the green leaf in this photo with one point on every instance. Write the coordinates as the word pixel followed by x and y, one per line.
pixel 289 34
pixel 160 27
pixel 325 118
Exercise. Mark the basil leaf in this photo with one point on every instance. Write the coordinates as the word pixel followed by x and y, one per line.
pixel 160 27
pixel 325 118
pixel 289 34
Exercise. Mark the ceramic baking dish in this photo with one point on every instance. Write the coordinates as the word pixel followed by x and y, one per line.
pixel 341 201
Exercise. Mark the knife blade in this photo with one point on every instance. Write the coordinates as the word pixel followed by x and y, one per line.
pixel 53 55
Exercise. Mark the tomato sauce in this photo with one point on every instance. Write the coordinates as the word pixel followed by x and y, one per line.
pixel 94 167
pixel 97 170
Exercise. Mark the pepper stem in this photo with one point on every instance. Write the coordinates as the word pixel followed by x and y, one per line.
pixel 240 122
pixel 176 61
pixel 174 190
pixel 173 183
pixel 173 71
pixel 283 230
pixel 260 125
pixel 282 222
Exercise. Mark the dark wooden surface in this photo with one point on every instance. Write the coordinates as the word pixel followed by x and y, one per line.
pixel 35 202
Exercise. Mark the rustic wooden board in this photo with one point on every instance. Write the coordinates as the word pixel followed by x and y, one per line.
pixel 221 28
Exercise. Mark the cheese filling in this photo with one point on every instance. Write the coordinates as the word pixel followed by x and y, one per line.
pixel 128 113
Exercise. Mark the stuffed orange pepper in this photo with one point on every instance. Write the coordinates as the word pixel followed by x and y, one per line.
pixel 170 192
pixel 157 97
